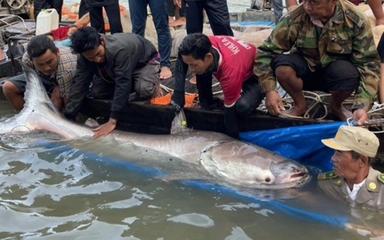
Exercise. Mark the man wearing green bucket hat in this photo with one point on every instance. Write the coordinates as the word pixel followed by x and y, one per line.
pixel 353 179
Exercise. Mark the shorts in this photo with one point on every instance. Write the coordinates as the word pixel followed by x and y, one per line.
pixel 20 82
pixel 340 75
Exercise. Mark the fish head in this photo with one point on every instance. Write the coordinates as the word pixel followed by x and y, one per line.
pixel 248 165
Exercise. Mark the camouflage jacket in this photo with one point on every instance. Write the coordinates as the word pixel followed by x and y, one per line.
pixel 371 194
pixel 347 36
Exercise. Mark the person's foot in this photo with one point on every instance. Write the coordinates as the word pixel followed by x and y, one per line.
pixel 165 73
pixel 294 112
pixel 178 22
pixel 341 113
pixel 192 80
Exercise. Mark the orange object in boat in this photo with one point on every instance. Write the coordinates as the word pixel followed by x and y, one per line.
pixel 162 100
pixel 190 100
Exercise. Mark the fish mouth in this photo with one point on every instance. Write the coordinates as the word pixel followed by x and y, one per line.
pixel 299 175
pixel 290 175
pixel 300 178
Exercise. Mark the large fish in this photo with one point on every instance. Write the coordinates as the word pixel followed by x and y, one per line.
pixel 220 157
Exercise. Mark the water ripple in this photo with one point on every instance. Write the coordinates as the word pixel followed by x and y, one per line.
pixel 194 219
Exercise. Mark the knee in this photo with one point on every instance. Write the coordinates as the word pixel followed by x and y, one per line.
pixel 341 76
pixel 284 73
pixel 342 69
pixel 243 107
pixel 10 89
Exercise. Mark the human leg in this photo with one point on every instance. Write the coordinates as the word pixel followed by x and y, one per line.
pixel 380 50
pixel 218 15
pixel 138 12
pixel 160 19
pixel 38 5
pixel 146 81
pixel 58 5
pixel 83 9
pixel 289 70
pixel 96 16
pixel 113 13
pixel 102 89
pixel 381 83
pixel 180 19
pixel 251 97
pixel 277 6
pixel 194 15
pixel 341 78
pixel 13 90
pixel 204 87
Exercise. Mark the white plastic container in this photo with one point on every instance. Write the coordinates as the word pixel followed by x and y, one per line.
pixel 46 21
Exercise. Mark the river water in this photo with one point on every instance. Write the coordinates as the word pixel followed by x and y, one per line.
pixel 87 190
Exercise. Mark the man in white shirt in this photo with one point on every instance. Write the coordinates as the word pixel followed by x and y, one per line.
pixel 353 179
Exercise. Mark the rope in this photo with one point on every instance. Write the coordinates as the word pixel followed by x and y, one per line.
pixel 314 101
pixel 376 118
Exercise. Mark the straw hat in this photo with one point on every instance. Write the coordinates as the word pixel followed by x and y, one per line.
pixel 356 139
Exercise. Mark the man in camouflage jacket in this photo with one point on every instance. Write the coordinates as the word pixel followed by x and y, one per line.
pixel 322 45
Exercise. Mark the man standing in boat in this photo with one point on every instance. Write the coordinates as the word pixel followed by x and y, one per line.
pixel 111 7
pixel 120 66
pixel 56 67
pixel 231 62
pixel 138 11
pixel 353 179
pixel 322 45
pixel 217 12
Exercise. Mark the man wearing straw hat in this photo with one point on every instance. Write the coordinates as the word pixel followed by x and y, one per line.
pixel 353 179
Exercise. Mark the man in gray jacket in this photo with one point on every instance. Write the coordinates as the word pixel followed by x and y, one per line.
pixel 120 66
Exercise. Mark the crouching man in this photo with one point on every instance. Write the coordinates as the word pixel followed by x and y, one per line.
pixel 231 62
pixel 56 68
pixel 354 180
pixel 323 45
pixel 120 67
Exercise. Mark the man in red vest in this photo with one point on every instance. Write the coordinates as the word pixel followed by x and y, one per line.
pixel 231 62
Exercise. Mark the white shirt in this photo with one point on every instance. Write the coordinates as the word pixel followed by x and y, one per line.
pixel 356 187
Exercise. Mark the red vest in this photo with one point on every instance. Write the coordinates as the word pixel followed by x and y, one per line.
pixel 235 65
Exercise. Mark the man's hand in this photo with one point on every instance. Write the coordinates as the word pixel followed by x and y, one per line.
pixel 56 99
pixel 360 116
pixel 291 8
pixel 105 128
pixel 274 103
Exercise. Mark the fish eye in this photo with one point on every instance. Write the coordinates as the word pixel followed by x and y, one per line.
pixel 267 180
